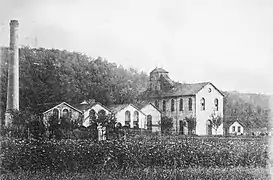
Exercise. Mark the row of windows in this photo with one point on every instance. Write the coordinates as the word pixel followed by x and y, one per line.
pixel 203 104
pixel 136 120
pixel 65 113
pixel 181 107
pixel 239 129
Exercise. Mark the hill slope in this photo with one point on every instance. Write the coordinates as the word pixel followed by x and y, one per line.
pixel 48 76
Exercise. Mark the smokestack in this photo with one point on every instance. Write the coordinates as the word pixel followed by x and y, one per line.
pixel 13 73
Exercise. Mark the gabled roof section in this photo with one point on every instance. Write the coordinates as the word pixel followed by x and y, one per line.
pixel 159 70
pixel 86 106
pixel 142 104
pixel 118 107
pixel 72 107
pixel 180 89
pixel 232 122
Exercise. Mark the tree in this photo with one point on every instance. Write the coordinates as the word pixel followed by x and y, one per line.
pixel 166 125
pixel 216 121
pixel 191 121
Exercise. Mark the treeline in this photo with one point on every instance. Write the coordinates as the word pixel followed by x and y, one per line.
pixel 48 76
pixel 253 110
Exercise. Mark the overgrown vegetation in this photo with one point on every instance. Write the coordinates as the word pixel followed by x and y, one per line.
pixel 79 155
pixel 153 173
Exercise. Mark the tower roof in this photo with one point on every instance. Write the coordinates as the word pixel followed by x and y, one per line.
pixel 159 70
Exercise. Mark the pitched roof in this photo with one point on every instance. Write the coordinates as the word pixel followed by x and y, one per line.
pixel 66 105
pixel 180 89
pixel 84 106
pixel 158 70
pixel 229 123
pixel 143 103
pixel 117 107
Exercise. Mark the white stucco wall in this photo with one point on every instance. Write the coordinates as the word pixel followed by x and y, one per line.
pixel 121 116
pixel 156 117
pixel 236 125
pixel 96 108
pixel 203 116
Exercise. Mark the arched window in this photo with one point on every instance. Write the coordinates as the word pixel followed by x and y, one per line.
pixel 216 103
pixel 164 106
pixel 127 118
pixel 172 105
pixel 92 115
pixel 101 113
pixel 203 106
pixel 209 127
pixel 56 113
pixel 156 104
pixel 149 122
pixel 136 119
pixel 181 104
pixel 65 113
pixel 190 104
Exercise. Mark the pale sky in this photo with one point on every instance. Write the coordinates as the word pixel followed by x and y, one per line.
pixel 226 42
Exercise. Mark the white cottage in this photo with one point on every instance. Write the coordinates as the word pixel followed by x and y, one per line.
pixel 129 115
pixel 153 116
pixel 235 128
pixel 91 107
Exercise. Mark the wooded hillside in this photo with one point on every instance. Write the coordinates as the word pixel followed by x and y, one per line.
pixel 48 76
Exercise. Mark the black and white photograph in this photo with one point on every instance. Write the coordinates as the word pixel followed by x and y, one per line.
pixel 136 89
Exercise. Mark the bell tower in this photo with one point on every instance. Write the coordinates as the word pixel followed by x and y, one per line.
pixel 155 79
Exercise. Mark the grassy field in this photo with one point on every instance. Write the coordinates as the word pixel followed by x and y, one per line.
pixel 159 173
pixel 137 158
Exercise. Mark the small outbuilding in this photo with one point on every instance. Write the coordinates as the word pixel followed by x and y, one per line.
pixel 235 128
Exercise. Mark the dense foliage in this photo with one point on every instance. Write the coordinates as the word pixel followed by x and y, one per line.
pixel 253 110
pixel 48 76
pixel 78 155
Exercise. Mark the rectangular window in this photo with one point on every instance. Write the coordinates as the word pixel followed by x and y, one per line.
pixel 172 105
pixel 190 104
pixel 181 105
pixel 239 129
pixel 233 128
pixel 164 106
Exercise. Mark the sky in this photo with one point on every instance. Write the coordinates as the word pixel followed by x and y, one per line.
pixel 226 42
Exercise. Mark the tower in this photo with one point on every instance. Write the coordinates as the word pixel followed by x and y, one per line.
pixel 159 80
pixel 13 73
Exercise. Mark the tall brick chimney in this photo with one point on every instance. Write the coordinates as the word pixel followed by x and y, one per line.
pixel 13 73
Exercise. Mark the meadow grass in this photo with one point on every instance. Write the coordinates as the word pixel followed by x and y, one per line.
pixel 155 173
